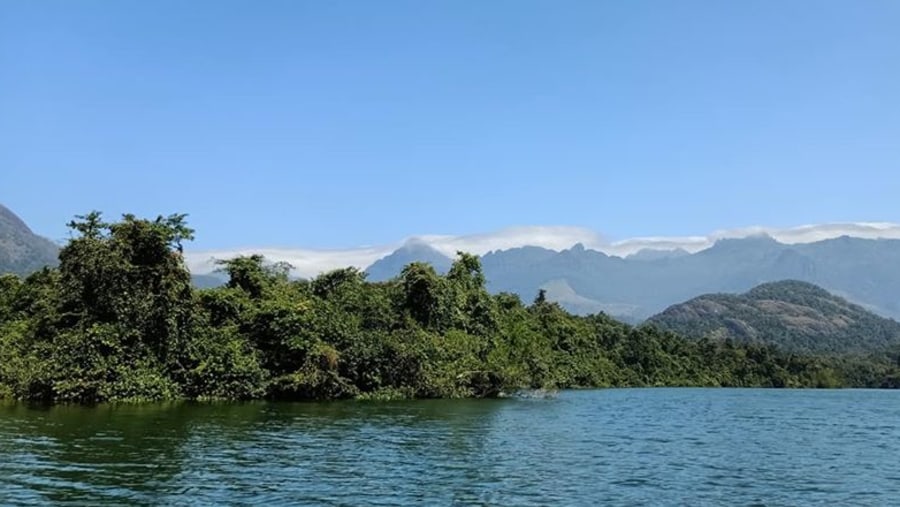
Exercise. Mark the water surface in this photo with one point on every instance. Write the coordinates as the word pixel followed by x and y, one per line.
pixel 616 447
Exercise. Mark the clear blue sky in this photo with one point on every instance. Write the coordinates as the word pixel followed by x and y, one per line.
pixel 342 123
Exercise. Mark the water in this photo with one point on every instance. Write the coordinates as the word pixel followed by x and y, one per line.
pixel 611 447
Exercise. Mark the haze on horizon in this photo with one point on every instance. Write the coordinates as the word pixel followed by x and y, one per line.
pixel 333 125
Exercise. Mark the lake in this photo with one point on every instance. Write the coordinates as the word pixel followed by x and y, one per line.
pixel 613 447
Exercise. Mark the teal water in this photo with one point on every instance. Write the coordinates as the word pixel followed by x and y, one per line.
pixel 611 447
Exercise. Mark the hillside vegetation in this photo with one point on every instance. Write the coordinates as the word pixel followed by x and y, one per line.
pixel 21 251
pixel 120 320
pixel 796 316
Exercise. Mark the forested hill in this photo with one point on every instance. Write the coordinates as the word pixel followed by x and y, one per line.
pixel 796 316
pixel 22 251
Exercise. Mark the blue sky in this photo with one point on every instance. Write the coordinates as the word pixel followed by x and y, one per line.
pixel 344 123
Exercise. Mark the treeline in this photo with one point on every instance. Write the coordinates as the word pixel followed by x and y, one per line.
pixel 119 320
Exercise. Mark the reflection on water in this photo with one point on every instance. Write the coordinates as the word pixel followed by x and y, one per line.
pixel 620 447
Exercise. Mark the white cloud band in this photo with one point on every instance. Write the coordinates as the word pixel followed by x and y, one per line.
pixel 311 262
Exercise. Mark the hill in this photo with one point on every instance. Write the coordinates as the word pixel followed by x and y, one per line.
pixel 22 251
pixel 796 316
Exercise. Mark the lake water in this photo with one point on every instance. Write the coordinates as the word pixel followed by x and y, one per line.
pixel 611 447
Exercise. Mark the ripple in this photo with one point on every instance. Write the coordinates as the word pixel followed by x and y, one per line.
pixel 615 447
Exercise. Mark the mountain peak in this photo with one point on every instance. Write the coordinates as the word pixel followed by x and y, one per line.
pixel 416 244
pixel 9 220
pixel 751 243
pixel 413 250
pixel 787 287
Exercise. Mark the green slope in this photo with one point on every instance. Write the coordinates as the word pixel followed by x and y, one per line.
pixel 22 251
pixel 794 315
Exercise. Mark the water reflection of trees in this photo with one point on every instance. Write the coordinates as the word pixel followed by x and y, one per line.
pixel 236 452
pixel 107 453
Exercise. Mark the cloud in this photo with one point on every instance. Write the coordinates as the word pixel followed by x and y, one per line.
pixel 551 237
pixel 306 262
pixel 311 262
pixel 792 235
pixel 812 233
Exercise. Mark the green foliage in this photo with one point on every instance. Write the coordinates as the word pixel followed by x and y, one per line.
pixel 118 320
pixel 796 316
pixel 223 365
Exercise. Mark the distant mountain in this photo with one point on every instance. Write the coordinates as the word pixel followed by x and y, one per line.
pixel 413 251
pixel 22 251
pixel 864 271
pixel 560 292
pixel 652 254
pixel 208 281
pixel 794 315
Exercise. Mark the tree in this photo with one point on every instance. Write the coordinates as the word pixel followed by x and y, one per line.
pixel 252 275
pixel 473 308
pixel 424 295
pixel 125 301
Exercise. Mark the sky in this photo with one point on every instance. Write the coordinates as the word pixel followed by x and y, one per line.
pixel 339 124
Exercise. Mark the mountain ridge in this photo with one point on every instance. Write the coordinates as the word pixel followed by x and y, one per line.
pixel 309 262
pixel 864 271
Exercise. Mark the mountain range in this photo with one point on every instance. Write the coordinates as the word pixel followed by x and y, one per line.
pixel 637 286
pixel 631 287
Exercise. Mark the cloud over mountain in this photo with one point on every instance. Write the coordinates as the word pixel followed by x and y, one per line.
pixel 310 262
